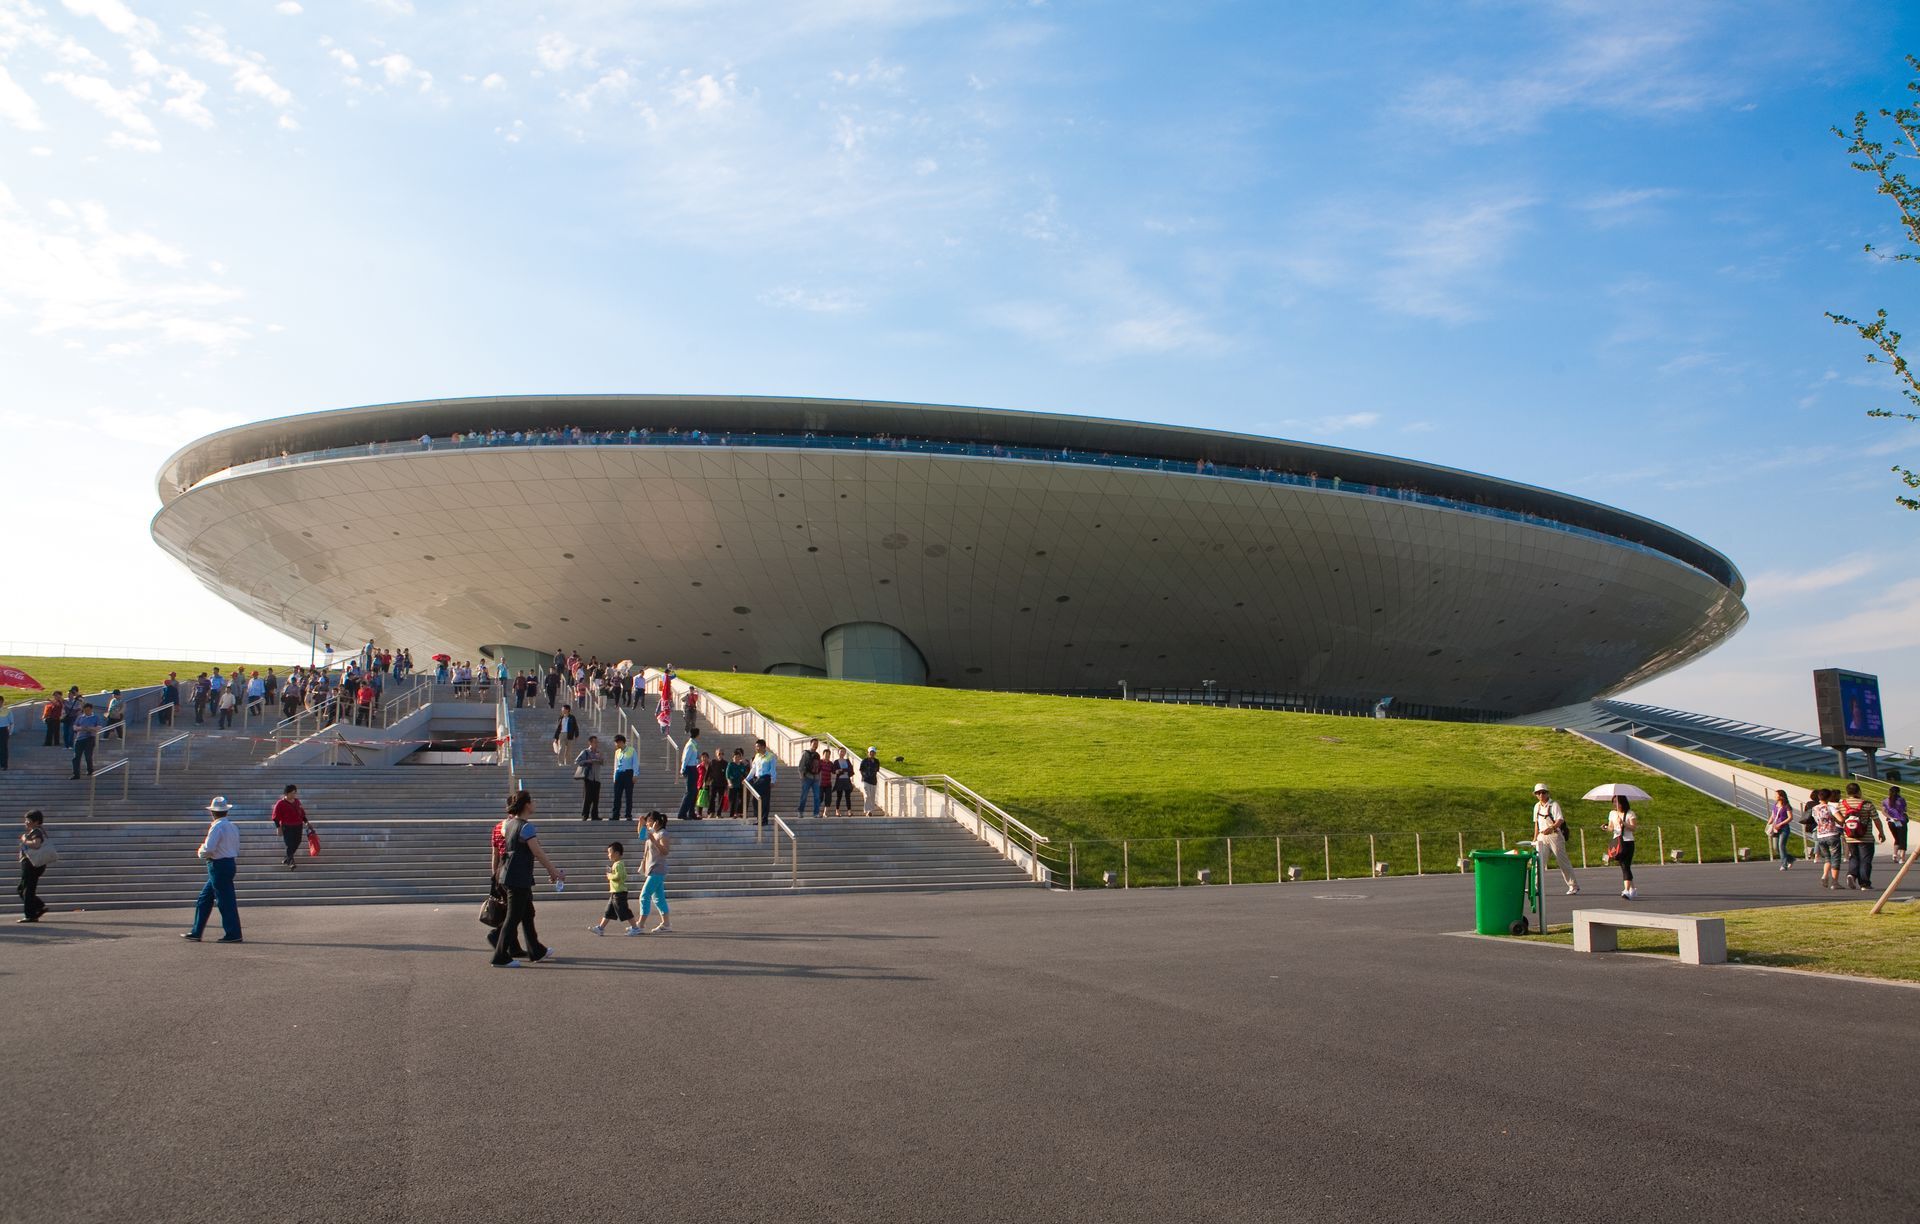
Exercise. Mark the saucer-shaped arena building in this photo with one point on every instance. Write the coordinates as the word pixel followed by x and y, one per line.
pixel 954 546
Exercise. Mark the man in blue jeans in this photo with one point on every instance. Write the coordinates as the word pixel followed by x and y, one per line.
pixel 626 759
pixel 220 851
pixel 690 770
pixel 86 731
pixel 809 785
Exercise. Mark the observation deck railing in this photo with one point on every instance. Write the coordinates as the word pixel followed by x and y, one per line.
pixel 978 450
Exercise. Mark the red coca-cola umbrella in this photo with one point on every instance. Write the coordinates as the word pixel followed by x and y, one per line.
pixel 13 677
pixel 443 658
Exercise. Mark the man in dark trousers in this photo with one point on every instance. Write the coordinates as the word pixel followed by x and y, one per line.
pixel 553 686
pixel 565 732
pixel 290 817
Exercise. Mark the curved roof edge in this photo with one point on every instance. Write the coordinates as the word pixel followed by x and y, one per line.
pixel 314 431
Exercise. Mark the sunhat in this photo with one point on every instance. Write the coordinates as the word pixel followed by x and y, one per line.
pixel 219 804
pixel 1538 787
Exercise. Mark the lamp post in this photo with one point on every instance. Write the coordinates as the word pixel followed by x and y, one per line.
pixel 1123 690
pixel 1209 685
pixel 314 627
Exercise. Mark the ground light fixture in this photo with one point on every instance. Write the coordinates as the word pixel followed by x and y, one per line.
pixel 1204 875
pixel 1293 873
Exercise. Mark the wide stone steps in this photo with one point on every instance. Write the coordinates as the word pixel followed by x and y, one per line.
pixel 118 864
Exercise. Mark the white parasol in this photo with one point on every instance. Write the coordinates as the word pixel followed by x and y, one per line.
pixel 1608 790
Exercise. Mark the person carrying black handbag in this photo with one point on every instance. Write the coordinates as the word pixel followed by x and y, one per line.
pixel 35 857
pixel 513 869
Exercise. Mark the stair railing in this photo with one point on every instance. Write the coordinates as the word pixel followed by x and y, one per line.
pixel 186 753
pixel 781 826
pixel 988 821
pixel 155 713
pixel 93 781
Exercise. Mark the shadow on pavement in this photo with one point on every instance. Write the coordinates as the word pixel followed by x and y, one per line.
pixel 735 969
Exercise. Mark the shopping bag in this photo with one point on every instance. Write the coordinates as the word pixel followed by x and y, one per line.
pixel 313 842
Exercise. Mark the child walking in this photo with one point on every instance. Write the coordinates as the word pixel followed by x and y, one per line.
pixel 617 906
pixel 653 867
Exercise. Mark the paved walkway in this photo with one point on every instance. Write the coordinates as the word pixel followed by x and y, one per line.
pixel 1298 1052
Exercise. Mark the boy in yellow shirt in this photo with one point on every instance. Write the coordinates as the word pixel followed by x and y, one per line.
pixel 617 906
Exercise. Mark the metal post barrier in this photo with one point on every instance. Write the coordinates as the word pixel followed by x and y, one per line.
pixel 1733 840
pixel 1417 869
pixel 1176 862
pixel 1503 839
pixel 1373 856
pixel 1660 842
pixel 1583 847
pixel 1279 862
pixel 1462 835
pixel 1698 857
pixel 1073 865
pixel 1229 860
pixel 1126 866
pixel 1326 845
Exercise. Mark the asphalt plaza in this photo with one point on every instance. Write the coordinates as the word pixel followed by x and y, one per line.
pixel 1304 1051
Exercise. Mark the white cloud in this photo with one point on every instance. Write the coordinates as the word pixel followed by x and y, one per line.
pixel 401 70
pixel 1333 423
pixel 556 52
pixel 187 90
pixel 705 92
pixel 73 273
pixel 1101 311
pixel 875 73
pixel 17 106
pixel 1640 58
pixel 611 87
pixel 344 58
pixel 123 106
pixel 813 301
pixel 114 15
pixel 289 8
pixel 493 80
pixel 250 75
pixel 1430 264
pixel 136 144
pixel 1771 585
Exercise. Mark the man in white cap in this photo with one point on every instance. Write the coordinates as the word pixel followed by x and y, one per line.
pixel 220 852
pixel 1550 834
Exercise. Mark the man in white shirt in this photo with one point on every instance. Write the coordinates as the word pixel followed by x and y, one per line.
pixel 690 771
pixel 220 852
pixel 1550 834
pixel 764 770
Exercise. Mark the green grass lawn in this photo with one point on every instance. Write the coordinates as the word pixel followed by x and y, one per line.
pixel 1092 771
pixel 105 675
pixel 1840 937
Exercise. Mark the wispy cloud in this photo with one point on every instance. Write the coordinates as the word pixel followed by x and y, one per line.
pixel 112 290
pixel 813 301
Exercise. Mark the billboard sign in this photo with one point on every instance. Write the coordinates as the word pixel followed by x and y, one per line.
pixel 1848 704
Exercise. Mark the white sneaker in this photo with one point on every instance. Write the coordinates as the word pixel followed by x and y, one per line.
pixel 512 964
pixel 1573 890
pixel 663 929
pixel 634 930
pixel 1630 894
pixel 601 931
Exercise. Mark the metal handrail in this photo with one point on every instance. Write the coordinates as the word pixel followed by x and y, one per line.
pixel 781 826
pixel 511 742
pixel 186 754
pixel 155 713
pixel 93 779
pixel 122 725
pixel 1010 825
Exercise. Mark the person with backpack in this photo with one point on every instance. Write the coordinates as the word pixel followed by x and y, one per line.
pixel 809 778
pixel 1826 837
pixel 51 715
pixel 691 703
pixel 1550 835
pixel 513 871
pixel 1780 828
pixel 1860 828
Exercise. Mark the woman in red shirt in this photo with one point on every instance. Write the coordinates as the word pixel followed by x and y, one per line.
pixel 290 817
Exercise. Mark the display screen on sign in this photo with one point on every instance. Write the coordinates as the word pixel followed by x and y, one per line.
pixel 1848 704
pixel 1860 707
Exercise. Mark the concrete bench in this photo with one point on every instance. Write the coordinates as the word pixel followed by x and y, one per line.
pixel 1703 941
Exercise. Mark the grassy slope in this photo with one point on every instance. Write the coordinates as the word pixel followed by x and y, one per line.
pixel 1084 769
pixel 103 675
pixel 1837 938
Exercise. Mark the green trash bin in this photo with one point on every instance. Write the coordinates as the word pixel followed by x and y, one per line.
pixel 1500 879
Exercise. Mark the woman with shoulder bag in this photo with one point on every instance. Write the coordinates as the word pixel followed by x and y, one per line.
pixel 513 870
pixel 35 857
pixel 1621 823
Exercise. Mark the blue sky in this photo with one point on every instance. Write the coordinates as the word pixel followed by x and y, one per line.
pixel 1585 245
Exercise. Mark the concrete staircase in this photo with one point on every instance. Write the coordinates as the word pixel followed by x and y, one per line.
pixel 421 833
